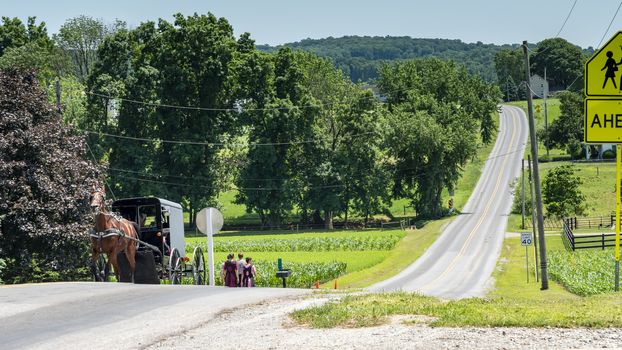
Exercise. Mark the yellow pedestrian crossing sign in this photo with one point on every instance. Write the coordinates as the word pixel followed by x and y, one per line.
pixel 603 116
pixel 603 78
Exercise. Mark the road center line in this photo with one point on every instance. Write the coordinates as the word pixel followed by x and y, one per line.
pixel 484 213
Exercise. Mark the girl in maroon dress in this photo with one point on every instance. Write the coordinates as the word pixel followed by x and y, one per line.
pixel 229 268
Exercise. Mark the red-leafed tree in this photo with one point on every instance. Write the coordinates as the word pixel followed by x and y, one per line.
pixel 44 186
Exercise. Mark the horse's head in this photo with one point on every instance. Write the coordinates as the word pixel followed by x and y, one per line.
pixel 97 199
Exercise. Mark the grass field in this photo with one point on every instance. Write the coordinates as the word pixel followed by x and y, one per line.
pixel 598 188
pixel 513 303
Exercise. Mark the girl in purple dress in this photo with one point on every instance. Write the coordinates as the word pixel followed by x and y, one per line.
pixel 249 273
pixel 229 269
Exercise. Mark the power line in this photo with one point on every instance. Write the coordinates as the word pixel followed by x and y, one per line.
pixel 212 144
pixel 418 174
pixel 195 108
pixel 609 26
pixel 105 181
pixel 214 187
pixel 566 20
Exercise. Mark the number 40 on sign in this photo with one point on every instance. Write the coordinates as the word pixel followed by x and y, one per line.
pixel 525 239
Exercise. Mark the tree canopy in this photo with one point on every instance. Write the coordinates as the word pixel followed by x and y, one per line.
pixel 563 61
pixel 438 111
pixel 44 185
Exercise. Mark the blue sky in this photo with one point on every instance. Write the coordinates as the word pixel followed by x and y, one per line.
pixel 280 21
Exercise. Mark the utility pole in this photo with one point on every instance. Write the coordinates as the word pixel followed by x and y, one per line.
pixel 57 94
pixel 523 190
pixel 533 216
pixel 536 175
pixel 545 91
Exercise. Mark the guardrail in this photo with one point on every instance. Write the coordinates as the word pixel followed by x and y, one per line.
pixel 585 241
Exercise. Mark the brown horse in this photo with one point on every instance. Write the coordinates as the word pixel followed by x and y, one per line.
pixel 110 236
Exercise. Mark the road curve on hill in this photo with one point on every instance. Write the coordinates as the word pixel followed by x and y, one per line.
pixel 460 263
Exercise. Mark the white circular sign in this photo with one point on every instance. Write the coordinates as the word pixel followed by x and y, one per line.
pixel 217 220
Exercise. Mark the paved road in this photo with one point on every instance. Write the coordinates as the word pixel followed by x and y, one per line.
pixel 459 264
pixel 113 315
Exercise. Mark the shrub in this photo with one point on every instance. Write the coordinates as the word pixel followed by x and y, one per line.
pixel 609 154
pixel 561 192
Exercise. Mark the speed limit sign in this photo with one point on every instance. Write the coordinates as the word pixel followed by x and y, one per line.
pixel 525 239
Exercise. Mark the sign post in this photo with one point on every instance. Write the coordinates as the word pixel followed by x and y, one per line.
pixel 210 221
pixel 526 241
pixel 603 115
pixel 617 254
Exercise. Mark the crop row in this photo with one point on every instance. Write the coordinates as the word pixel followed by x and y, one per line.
pixel 308 244
pixel 585 272
pixel 304 275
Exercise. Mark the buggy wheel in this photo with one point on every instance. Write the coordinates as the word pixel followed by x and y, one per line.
pixel 198 266
pixel 100 269
pixel 175 268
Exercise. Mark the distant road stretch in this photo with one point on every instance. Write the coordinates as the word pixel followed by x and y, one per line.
pixel 459 264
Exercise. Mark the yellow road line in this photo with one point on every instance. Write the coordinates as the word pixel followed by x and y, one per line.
pixel 482 217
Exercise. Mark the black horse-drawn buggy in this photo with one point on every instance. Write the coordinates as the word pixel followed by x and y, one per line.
pixel 159 246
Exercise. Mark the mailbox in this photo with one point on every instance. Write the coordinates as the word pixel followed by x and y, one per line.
pixel 284 274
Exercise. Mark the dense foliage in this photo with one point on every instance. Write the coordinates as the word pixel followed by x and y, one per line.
pixel 563 61
pixel 438 112
pixel 561 192
pixel 361 58
pixel 567 130
pixel 44 185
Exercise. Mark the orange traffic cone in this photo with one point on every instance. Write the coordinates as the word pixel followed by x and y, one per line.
pixel 317 284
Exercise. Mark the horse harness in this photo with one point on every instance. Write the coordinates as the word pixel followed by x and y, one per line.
pixel 114 231
pixel 110 232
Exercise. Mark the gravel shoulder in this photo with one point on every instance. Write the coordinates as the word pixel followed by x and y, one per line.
pixel 267 326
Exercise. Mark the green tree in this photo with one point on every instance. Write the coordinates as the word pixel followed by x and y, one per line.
pixel 338 166
pixel 270 179
pixel 509 63
pixel 14 34
pixel 49 63
pixel 80 37
pixel 563 61
pixel 568 128
pixel 509 67
pixel 437 112
pixel 561 192
pixel 189 62
pixel 44 186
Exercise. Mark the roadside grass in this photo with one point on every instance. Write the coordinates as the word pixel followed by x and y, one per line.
pixel 513 303
pixel 598 188
pixel 409 249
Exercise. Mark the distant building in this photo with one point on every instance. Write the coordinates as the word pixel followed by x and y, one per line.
pixel 539 86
